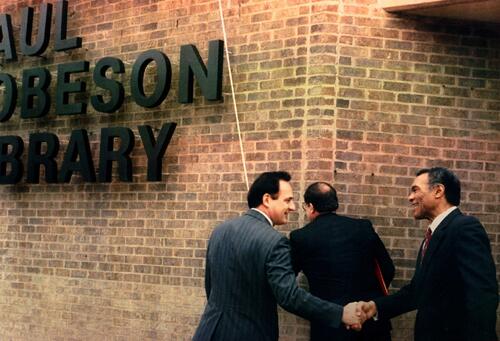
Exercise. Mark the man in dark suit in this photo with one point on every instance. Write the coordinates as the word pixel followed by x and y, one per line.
pixel 454 287
pixel 337 255
pixel 248 271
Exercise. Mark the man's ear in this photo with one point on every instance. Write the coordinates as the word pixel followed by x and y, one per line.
pixel 266 198
pixel 439 191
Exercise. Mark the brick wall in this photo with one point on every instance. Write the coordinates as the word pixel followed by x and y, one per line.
pixel 329 90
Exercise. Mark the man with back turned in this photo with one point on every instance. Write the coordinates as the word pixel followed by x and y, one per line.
pixel 337 254
pixel 248 272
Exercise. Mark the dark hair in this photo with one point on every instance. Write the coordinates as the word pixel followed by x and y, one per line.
pixel 268 182
pixel 322 196
pixel 445 177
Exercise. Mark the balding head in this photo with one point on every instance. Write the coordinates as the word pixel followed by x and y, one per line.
pixel 322 196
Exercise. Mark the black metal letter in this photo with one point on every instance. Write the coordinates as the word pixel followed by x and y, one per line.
pixel 114 87
pixel 107 155
pixel 156 150
pixel 78 146
pixel 7 44
pixel 164 75
pixel 192 65
pixel 43 36
pixel 10 96
pixel 12 158
pixel 63 44
pixel 30 91
pixel 65 87
pixel 36 158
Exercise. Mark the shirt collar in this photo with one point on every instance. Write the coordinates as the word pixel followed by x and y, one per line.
pixel 435 223
pixel 265 215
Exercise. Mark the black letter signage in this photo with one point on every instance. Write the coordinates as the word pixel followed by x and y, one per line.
pixel 63 44
pixel 12 158
pixel 192 65
pixel 10 96
pixel 156 150
pixel 65 87
pixel 114 87
pixel 163 73
pixel 30 92
pixel 107 155
pixel 78 146
pixel 36 158
pixel 7 43
pixel 42 38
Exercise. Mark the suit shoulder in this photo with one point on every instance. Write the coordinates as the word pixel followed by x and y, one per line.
pixel 258 229
pixel 227 224
pixel 465 218
pixel 463 221
pixel 468 221
pixel 349 219
pixel 247 230
pixel 296 234
pixel 466 226
pixel 364 223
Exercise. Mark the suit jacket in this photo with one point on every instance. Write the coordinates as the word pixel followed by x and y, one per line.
pixel 248 271
pixel 454 287
pixel 337 254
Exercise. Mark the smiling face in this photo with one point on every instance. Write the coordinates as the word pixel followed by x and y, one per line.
pixel 423 198
pixel 279 208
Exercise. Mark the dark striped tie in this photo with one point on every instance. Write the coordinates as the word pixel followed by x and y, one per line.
pixel 428 236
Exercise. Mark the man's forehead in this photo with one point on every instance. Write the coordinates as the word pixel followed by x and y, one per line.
pixel 285 188
pixel 420 180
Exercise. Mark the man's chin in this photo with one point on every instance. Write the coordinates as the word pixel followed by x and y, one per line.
pixel 418 216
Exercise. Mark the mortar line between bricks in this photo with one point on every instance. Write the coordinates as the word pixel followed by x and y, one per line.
pixel 340 15
pixel 304 137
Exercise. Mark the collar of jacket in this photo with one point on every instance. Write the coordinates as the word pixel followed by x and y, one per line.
pixel 258 215
pixel 436 236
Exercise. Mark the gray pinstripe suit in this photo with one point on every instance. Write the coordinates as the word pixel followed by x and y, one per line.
pixel 248 272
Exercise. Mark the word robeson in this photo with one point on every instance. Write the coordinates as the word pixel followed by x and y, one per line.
pixel 35 101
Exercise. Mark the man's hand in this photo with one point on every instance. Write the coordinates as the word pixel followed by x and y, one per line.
pixel 353 316
pixel 369 308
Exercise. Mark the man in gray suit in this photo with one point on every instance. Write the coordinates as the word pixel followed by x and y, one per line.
pixel 249 271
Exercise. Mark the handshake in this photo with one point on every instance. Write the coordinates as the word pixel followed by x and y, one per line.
pixel 356 313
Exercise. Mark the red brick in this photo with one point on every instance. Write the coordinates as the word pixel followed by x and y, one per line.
pixel 343 93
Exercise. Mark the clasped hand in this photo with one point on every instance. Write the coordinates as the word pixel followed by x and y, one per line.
pixel 356 313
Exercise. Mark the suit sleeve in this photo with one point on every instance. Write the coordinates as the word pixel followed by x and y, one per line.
pixel 207 274
pixel 477 270
pixel 405 299
pixel 295 253
pixel 383 257
pixel 399 303
pixel 281 279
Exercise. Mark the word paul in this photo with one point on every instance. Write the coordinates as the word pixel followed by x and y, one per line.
pixel 35 100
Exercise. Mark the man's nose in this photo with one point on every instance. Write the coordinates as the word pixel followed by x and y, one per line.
pixel 292 207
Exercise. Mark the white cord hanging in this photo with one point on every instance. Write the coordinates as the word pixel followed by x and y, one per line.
pixel 232 93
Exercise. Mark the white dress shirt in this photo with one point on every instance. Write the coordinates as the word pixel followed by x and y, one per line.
pixel 265 215
pixel 435 223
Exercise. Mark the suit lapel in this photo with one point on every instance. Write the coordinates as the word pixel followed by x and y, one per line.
pixel 437 236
